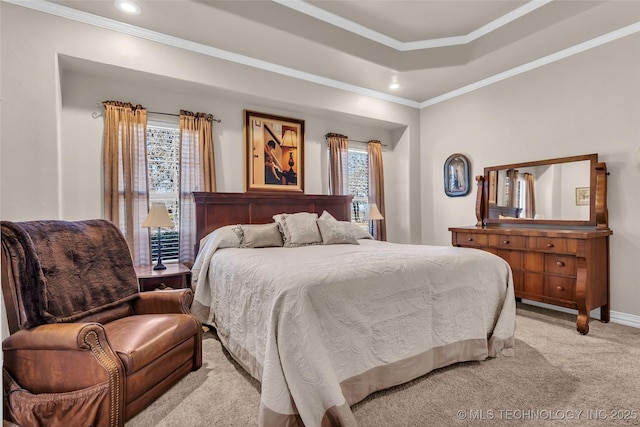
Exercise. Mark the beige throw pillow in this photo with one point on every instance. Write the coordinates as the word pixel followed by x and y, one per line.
pixel 327 215
pixel 299 229
pixel 260 235
pixel 357 231
pixel 336 232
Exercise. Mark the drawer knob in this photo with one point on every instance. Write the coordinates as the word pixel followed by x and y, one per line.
pixel 470 239
pixel 549 245
pixel 560 264
pixel 506 242
pixel 560 288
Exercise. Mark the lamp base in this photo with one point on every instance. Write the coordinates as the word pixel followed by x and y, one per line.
pixel 159 266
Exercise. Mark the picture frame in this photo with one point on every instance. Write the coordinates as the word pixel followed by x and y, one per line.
pixel 274 152
pixel 456 175
pixel 583 196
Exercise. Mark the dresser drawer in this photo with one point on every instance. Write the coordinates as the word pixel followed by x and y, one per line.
pixel 560 264
pixel 553 244
pixel 472 239
pixel 515 242
pixel 560 287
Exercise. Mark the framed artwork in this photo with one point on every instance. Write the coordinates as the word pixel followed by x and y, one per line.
pixel 582 196
pixel 456 175
pixel 274 152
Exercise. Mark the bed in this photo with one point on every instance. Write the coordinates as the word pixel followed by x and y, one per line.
pixel 322 326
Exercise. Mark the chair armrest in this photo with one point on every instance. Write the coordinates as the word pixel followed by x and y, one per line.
pixel 166 301
pixel 46 359
pixel 58 336
pixel 66 359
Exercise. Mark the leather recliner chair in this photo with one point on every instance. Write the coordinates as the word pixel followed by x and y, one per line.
pixel 86 347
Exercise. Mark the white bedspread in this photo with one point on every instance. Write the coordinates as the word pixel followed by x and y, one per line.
pixel 321 327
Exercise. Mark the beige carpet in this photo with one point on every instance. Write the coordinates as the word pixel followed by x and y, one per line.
pixel 557 377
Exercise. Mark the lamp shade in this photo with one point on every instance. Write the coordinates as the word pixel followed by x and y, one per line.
pixel 158 217
pixel 289 139
pixel 374 213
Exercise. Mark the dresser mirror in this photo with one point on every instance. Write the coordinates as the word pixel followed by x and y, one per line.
pixel 557 191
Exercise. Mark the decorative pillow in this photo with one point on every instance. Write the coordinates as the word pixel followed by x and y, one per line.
pixel 259 235
pixel 227 237
pixel 299 229
pixel 327 215
pixel 359 232
pixel 336 232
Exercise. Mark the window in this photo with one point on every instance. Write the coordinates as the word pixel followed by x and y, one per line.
pixel 163 169
pixel 358 160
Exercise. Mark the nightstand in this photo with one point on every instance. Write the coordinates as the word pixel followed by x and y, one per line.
pixel 175 276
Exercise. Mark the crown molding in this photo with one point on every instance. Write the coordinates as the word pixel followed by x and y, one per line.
pixel 355 28
pixel 121 27
pixel 545 60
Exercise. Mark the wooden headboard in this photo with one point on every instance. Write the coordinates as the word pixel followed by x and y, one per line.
pixel 214 210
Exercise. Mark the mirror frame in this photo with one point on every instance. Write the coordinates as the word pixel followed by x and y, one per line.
pixel 597 191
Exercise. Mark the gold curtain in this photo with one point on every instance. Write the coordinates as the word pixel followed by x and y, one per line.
pixel 338 163
pixel 197 173
pixel 376 187
pixel 125 174
pixel 530 205
pixel 512 176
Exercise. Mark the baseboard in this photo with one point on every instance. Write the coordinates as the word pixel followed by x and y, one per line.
pixel 614 316
pixel 625 319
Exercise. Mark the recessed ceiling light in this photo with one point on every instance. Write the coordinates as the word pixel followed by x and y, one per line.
pixel 127 6
pixel 394 85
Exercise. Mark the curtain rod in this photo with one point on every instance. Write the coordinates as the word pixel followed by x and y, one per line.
pixel 349 139
pixel 178 115
pixel 96 115
pixel 364 142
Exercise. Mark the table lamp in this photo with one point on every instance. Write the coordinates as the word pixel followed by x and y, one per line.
pixel 374 213
pixel 158 217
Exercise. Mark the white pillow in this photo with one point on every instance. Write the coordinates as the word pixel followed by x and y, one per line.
pixel 259 235
pixel 336 232
pixel 299 229
pixel 359 232
pixel 327 215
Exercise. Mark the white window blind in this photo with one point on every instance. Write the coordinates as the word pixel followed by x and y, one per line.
pixel 163 169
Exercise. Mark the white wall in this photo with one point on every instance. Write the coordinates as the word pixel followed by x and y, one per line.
pixel 587 103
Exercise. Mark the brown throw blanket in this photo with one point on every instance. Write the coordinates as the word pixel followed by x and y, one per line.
pixel 65 270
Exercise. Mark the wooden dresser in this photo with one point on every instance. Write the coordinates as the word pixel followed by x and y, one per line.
pixel 564 267
pixel 552 262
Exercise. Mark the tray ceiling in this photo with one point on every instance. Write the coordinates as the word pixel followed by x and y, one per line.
pixel 431 48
